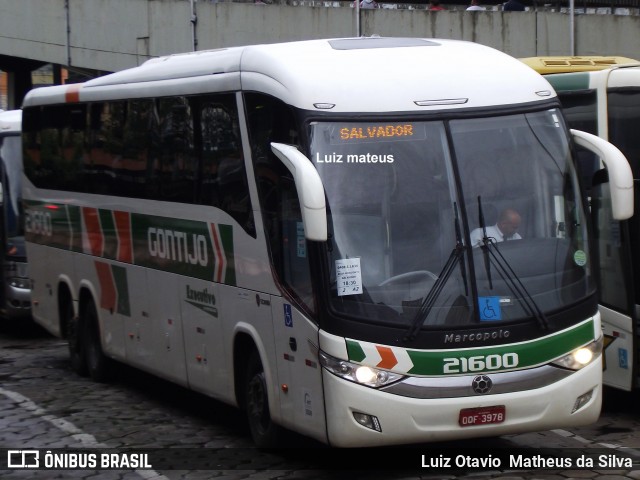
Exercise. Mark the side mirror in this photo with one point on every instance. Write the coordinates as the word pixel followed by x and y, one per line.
pixel 618 168
pixel 310 190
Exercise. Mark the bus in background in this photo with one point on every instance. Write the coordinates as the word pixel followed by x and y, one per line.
pixel 15 302
pixel 606 102
pixel 572 64
pixel 268 226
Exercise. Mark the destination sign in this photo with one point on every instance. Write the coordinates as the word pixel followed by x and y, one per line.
pixel 376 132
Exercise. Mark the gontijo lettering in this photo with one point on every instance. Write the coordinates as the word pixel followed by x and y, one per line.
pixel 180 246
pixel 376 131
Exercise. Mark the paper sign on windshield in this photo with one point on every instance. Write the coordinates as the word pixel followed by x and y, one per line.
pixel 348 276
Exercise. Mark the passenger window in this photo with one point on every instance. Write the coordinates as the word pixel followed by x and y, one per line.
pixel 224 176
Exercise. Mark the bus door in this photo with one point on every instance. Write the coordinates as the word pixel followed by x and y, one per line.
pixel 295 329
pixel 615 285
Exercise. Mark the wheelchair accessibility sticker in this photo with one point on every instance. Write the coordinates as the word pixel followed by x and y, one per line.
pixel 623 358
pixel 288 317
pixel 490 309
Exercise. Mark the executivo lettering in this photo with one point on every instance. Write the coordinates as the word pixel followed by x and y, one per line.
pixel 203 300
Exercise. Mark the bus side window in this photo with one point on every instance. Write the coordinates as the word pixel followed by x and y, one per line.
pixel 224 177
pixel 105 134
pixel 272 121
pixel 61 136
pixel 176 164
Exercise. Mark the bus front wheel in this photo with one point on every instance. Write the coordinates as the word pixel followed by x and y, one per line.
pixel 265 433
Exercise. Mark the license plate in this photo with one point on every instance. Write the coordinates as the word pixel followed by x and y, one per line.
pixel 481 415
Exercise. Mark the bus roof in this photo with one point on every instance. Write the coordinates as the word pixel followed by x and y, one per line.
pixel 10 121
pixel 571 64
pixel 389 74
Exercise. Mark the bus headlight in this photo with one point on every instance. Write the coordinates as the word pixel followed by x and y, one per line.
pixel 580 357
pixel 362 374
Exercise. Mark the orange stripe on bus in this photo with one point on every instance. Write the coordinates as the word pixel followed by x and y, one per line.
pixel 108 295
pixel 123 225
pixel 388 359
pixel 94 230
pixel 72 95
pixel 219 255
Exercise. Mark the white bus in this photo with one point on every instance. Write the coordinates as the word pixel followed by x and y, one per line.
pixel 15 302
pixel 286 228
pixel 606 102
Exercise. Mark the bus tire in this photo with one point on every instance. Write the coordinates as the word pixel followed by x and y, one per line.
pixel 265 433
pixel 98 364
pixel 74 336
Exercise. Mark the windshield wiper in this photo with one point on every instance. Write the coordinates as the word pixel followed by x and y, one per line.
pixel 485 242
pixel 492 252
pixel 457 256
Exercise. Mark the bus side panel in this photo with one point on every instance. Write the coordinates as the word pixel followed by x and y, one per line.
pixel 203 341
pixel 296 340
pixel 108 286
pixel 165 291
pixel 44 265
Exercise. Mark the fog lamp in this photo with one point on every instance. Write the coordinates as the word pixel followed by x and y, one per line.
pixel 369 421
pixel 582 400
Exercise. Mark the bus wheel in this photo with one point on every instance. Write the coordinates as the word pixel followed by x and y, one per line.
pixel 264 432
pixel 98 365
pixel 76 352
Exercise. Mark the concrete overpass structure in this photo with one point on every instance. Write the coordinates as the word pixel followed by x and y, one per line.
pixel 110 35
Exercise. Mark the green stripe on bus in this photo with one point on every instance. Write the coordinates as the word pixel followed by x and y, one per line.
pixel 496 358
pixel 356 353
pixel 122 287
pixel 529 354
pixel 75 231
pixel 109 234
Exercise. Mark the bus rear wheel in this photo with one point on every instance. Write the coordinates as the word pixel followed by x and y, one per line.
pixel 265 433
pixel 98 364
pixel 74 337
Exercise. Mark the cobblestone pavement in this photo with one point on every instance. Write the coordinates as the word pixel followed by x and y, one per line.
pixel 43 405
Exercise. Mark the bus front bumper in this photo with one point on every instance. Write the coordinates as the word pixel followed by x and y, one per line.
pixel 404 420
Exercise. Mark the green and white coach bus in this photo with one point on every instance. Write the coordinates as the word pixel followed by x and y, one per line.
pixel 287 228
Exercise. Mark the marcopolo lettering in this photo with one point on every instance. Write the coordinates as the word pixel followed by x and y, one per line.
pixel 476 336
pixel 178 246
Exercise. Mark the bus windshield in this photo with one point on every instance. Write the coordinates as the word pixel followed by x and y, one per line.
pixel 417 222
pixel 11 155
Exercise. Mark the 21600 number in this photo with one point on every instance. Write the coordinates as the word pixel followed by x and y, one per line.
pixel 480 363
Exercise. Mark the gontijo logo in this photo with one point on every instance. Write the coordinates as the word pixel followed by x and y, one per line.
pixel 177 246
